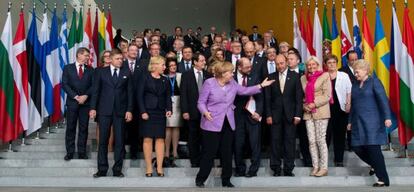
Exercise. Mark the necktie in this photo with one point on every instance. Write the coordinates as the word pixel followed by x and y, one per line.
pixel 282 81
pixel 244 82
pixel 115 75
pixel 131 67
pixel 179 56
pixel 187 65
pixel 80 73
pixel 272 67
pixel 199 81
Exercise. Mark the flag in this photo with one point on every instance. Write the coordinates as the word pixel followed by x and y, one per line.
pixel 79 32
pixel 101 36
pixel 87 40
pixel 95 37
pixel 367 42
pixel 63 55
pixel 20 72
pixel 382 62
pixel 346 42
pixel 336 40
pixel 10 126
pixel 309 35
pixel 356 31
pixel 72 39
pixel 401 76
pixel 325 27
pixel 54 69
pixel 35 81
pixel 317 35
pixel 302 28
pixel 109 38
pixel 47 88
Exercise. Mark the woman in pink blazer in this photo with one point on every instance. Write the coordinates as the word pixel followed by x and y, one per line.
pixel 217 123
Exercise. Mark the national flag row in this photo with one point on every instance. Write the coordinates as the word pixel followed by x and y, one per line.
pixel 31 68
pixel 394 67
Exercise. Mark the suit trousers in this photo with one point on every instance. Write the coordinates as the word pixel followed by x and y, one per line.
pixel 245 129
pixel 372 155
pixel 302 135
pixel 211 143
pixel 105 123
pixel 194 141
pixel 317 142
pixel 283 145
pixel 132 136
pixel 73 116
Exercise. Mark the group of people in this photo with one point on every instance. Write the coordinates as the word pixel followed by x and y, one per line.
pixel 226 95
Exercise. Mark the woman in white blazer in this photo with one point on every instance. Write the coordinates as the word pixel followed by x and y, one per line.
pixel 341 94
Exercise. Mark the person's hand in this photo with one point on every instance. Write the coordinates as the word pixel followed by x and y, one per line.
pixel 256 116
pixel 145 116
pixel 186 116
pixel 92 114
pixel 266 82
pixel 208 116
pixel 306 108
pixel 311 106
pixel 296 120
pixel 269 120
pixel 349 127
pixel 168 114
pixel 388 123
pixel 128 116
pixel 347 107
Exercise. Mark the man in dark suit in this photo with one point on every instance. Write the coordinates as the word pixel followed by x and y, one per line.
pixel 259 47
pixel 284 100
pixel 211 35
pixel 77 82
pixel 112 100
pixel 269 41
pixel 255 35
pixel 142 53
pixel 269 66
pixel 247 121
pixel 147 35
pixel 293 64
pixel 190 39
pixel 178 31
pixel 191 82
pixel 186 63
pixel 235 54
pixel 351 56
pixel 256 61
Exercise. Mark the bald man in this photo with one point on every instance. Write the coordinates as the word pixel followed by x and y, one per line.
pixel 256 61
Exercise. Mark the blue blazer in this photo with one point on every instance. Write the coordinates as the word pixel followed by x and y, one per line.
pixel 369 109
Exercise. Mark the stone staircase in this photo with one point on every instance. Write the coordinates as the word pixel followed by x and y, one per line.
pixel 41 164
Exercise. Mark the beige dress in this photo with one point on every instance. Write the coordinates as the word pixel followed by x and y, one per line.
pixel 176 119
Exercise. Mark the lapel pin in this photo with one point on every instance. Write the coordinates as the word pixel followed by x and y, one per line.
pixel 124 77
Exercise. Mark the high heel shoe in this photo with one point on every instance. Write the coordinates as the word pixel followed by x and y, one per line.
pixel 314 171
pixel 148 174
pixel 160 174
pixel 321 173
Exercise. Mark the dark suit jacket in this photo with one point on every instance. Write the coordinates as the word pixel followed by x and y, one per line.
pixel 150 97
pixel 257 66
pixel 348 71
pixel 170 42
pixel 210 39
pixel 189 93
pixel 240 101
pixel 258 37
pixel 265 71
pixel 112 97
pixel 73 86
pixel 144 55
pixel 228 56
pixel 181 66
pixel 288 104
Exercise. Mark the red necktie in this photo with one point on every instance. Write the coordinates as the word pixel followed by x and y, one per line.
pixel 80 72
pixel 244 82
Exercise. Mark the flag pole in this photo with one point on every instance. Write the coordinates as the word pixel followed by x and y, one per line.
pixel 9 149
pixel 24 132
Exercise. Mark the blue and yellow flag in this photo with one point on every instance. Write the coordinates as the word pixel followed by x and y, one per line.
pixel 336 39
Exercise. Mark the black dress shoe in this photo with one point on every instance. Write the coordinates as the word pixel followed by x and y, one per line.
pixel 380 184
pixel 239 174
pixel 118 174
pixel 227 184
pixel 288 174
pixel 251 174
pixel 200 184
pixel 68 156
pixel 82 156
pixel 277 174
pixel 99 174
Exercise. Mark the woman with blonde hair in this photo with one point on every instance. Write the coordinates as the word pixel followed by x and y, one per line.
pixel 317 87
pixel 370 114
pixel 154 105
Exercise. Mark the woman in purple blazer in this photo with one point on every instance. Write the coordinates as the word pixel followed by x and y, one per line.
pixel 217 123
